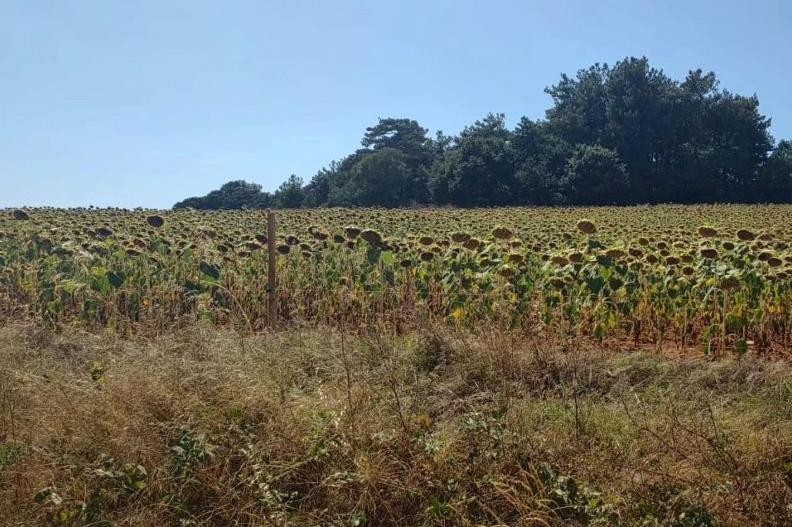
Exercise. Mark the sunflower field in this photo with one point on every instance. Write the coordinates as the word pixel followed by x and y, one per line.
pixel 714 276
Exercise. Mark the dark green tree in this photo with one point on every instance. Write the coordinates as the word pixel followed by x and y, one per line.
pixel 541 158
pixel 720 142
pixel 684 142
pixel 579 111
pixel 233 195
pixel 418 150
pixel 639 113
pixel 623 134
pixel 595 176
pixel 626 108
pixel 290 193
pixel 338 175
pixel 318 189
pixel 775 184
pixel 379 178
pixel 478 170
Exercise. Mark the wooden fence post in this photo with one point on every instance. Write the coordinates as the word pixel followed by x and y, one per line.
pixel 272 281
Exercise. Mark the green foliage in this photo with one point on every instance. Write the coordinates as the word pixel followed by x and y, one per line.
pixel 379 178
pixel 111 486
pixel 289 194
pixel 667 513
pixel 10 453
pixel 418 152
pixel 190 450
pixel 626 133
pixel 776 176
pixel 541 160
pixel 128 478
pixel 97 371
pixel 714 276
pixel 575 501
pixel 595 176
pixel 479 169
pixel 232 195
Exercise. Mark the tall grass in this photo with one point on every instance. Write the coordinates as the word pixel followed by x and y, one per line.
pixel 436 427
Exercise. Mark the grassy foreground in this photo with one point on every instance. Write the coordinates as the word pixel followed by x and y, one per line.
pixel 313 427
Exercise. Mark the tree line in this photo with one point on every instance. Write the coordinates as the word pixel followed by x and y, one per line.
pixel 614 135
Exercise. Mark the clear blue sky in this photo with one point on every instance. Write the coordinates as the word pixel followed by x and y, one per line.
pixel 128 103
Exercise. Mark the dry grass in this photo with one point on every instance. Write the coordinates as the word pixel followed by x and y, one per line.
pixel 315 427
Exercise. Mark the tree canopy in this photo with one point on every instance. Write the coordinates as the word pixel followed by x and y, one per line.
pixel 620 134
pixel 232 195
